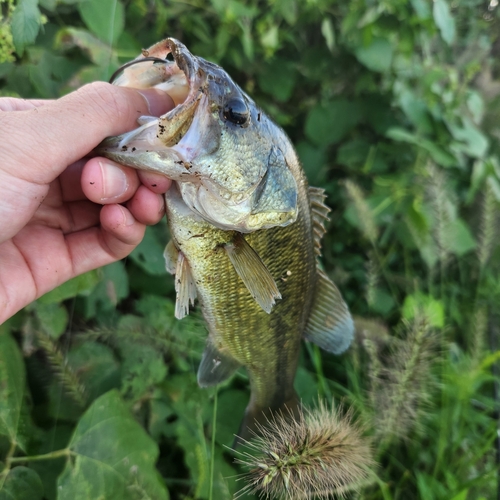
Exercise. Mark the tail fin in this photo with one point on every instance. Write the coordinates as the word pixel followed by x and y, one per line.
pixel 257 417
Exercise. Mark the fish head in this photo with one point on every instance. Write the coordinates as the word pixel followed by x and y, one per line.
pixel 229 159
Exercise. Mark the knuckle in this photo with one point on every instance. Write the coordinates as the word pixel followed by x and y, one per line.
pixel 108 100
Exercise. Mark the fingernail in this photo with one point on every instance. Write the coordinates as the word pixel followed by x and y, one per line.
pixel 158 102
pixel 128 218
pixel 114 180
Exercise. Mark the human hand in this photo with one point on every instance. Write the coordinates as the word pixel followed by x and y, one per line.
pixel 62 215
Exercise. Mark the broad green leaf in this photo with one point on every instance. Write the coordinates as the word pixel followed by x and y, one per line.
pixel 474 142
pixel 112 457
pixel 422 8
pixel 53 318
pixel 158 311
pixel 231 406
pixel 462 495
pixel 438 154
pixel 278 79
pixel 81 285
pixel 313 160
pixel 382 301
pixel 377 56
pixel 25 24
pixel 21 483
pixel 329 123
pixel 112 288
pixel 270 38
pixel 444 20
pixel 48 4
pixel 105 18
pixel 97 367
pixel 328 32
pixel 142 368
pixel 419 305
pixel 149 254
pixel 459 239
pixel 416 110
pixel 12 386
pixel 475 103
pixel 306 385
pixel 97 51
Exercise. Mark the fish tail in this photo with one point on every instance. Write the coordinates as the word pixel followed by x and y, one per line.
pixel 256 417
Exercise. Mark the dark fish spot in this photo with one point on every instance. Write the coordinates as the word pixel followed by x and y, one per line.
pixel 258 117
pixel 124 148
pixel 153 185
pixel 133 149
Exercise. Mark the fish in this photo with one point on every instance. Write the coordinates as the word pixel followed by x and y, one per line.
pixel 245 228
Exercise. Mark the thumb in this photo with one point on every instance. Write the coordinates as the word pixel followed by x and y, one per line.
pixel 38 144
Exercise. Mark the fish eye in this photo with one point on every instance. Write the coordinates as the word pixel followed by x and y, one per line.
pixel 236 111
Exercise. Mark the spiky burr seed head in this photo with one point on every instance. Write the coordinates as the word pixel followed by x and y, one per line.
pixel 314 455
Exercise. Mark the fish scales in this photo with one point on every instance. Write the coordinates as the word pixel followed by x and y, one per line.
pixel 246 229
pixel 266 344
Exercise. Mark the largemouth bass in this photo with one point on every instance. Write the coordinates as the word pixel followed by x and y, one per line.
pixel 246 228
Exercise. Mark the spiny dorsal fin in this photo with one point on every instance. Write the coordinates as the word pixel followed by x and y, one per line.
pixel 319 213
pixel 184 286
pixel 253 273
pixel 171 254
pixel 215 367
pixel 330 324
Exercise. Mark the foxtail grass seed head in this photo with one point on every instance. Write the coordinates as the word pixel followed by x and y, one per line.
pixel 488 227
pixel 444 210
pixel 365 215
pixel 314 455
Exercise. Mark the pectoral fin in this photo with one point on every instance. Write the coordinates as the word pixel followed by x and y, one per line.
pixel 184 287
pixel 171 254
pixel 215 367
pixel 253 273
pixel 330 324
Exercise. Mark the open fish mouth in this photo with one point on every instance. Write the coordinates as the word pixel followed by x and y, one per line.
pixel 227 157
pixel 183 80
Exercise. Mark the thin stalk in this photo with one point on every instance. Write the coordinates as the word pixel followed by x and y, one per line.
pixel 212 451
pixel 66 452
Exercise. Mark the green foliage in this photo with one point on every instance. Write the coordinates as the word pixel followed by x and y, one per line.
pixel 394 108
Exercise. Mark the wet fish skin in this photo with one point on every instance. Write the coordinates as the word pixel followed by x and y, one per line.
pixel 253 269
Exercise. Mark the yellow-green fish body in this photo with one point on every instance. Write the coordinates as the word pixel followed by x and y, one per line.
pixel 245 227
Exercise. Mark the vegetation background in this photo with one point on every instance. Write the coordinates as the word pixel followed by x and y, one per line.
pixel 394 107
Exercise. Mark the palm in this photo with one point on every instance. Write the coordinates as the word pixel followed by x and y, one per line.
pixel 66 235
pixel 56 221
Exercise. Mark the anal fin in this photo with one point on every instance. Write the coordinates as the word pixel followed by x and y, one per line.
pixel 215 367
pixel 184 286
pixel 330 324
pixel 253 273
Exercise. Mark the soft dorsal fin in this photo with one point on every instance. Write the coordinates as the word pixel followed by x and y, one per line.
pixel 184 286
pixel 215 367
pixel 319 214
pixel 253 273
pixel 330 324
